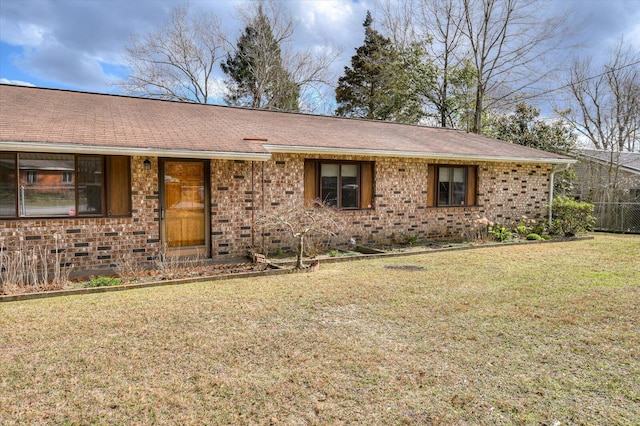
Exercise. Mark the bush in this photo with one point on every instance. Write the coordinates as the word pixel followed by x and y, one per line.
pixel 571 217
pixel 534 237
pixel 103 282
pixel 501 233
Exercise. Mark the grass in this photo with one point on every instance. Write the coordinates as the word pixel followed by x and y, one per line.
pixel 529 334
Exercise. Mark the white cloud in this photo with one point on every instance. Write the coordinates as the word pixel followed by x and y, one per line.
pixel 20 34
pixel 335 21
pixel 16 82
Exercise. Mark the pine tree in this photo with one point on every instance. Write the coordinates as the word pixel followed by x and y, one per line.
pixel 379 84
pixel 257 76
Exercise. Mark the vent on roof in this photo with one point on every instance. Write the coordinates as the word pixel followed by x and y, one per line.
pixel 256 139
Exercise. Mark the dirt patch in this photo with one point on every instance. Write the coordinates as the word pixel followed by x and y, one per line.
pixel 405 267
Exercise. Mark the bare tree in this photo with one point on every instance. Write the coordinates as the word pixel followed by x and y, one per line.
pixel 605 109
pixel 606 103
pixel 301 222
pixel 450 96
pixel 507 42
pixel 177 62
pixel 484 51
pixel 398 22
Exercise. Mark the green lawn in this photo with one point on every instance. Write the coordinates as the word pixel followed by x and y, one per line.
pixel 528 334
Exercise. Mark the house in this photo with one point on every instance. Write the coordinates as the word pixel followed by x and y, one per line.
pixel 611 181
pixel 122 178
pixel 607 176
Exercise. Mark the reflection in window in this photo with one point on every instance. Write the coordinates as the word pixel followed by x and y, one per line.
pixel 349 186
pixel 31 176
pixel 90 185
pixel 451 186
pixel 48 194
pixel 7 185
pixel 458 186
pixel 339 184
pixel 329 183
pixel 63 185
pixel 444 186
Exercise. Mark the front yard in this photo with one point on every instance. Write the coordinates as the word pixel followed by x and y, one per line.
pixel 524 334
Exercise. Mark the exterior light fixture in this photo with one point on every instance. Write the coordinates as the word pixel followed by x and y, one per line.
pixel 147 164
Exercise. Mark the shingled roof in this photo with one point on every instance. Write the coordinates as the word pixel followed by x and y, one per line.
pixel 629 161
pixel 51 120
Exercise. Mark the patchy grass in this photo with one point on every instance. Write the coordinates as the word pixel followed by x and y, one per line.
pixel 529 334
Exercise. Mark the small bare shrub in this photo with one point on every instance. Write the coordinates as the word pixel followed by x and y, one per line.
pixel 317 244
pixel 301 222
pixel 130 269
pixel 39 268
pixel 174 265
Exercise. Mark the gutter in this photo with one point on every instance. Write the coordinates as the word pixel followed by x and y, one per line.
pixel 555 169
pixel 115 150
pixel 288 149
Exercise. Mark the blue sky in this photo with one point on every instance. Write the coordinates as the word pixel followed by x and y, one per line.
pixel 78 44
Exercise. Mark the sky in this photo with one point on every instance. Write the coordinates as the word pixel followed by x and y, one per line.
pixel 79 44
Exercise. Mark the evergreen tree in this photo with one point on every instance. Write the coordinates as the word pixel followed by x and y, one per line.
pixel 381 82
pixel 257 76
pixel 524 127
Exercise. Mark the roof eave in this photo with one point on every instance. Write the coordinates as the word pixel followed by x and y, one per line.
pixel 114 150
pixel 602 162
pixel 412 154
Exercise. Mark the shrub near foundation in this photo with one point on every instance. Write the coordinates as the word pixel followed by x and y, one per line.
pixel 571 217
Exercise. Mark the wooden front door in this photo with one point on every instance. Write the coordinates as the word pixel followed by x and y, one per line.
pixel 184 203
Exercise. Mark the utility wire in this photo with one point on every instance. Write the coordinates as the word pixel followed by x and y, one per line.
pixel 546 92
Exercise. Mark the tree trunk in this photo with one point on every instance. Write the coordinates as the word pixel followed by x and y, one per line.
pixel 477 116
pixel 300 265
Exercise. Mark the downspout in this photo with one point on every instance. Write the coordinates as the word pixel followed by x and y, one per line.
pixel 554 169
pixel 253 205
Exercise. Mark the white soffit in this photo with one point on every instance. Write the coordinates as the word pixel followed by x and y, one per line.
pixel 412 154
pixel 113 150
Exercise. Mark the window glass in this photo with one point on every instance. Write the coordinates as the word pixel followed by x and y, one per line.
pixel 458 186
pixel 7 185
pixel 48 194
pixel 32 176
pixel 329 183
pixel 90 185
pixel 349 183
pixel 444 186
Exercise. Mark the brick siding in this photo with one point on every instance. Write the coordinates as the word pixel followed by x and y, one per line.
pixel 242 190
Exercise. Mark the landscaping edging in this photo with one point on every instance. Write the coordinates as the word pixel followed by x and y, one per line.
pixel 277 268
pixel 338 259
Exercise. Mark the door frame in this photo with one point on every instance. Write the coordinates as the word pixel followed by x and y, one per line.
pixel 201 251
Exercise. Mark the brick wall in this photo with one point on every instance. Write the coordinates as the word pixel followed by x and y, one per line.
pixel 506 192
pixel 242 190
pixel 96 243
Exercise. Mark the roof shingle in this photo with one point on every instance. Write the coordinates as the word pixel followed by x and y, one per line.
pixel 95 121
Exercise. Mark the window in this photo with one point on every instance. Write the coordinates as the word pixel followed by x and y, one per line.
pixel 90 184
pixel 61 185
pixel 46 194
pixel 451 185
pixel 31 177
pixel 8 190
pixel 345 185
